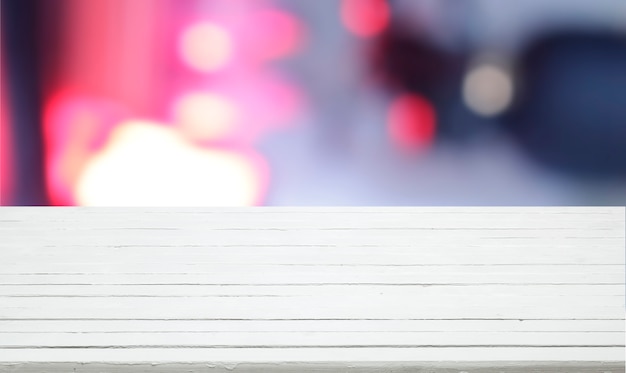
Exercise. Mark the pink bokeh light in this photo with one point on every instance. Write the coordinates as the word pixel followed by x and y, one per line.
pixel 365 18
pixel 412 122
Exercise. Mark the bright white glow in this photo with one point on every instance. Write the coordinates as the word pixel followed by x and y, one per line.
pixel 147 164
pixel 205 47
pixel 488 90
pixel 204 116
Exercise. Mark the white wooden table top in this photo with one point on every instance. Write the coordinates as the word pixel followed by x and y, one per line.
pixel 422 286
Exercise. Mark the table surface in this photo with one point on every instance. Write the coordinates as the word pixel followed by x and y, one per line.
pixel 367 287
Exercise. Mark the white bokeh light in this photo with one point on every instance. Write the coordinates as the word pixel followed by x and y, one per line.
pixel 488 90
pixel 205 116
pixel 147 164
pixel 206 47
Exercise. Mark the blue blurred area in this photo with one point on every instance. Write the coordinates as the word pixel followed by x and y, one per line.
pixel 562 141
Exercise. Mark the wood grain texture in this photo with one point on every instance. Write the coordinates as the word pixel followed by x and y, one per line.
pixel 431 289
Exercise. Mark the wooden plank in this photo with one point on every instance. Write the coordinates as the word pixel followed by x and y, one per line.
pixel 328 326
pixel 317 306
pixel 600 355
pixel 286 367
pixel 383 238
pixel 306 308
pixel 150 266
pixel 149 285
pixel 421 255
pixel 64 289
pixel 309 339
pixel 254 275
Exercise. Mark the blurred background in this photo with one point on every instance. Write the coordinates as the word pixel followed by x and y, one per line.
pixel 302 102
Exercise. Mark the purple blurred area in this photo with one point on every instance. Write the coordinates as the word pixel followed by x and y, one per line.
pixel 326 102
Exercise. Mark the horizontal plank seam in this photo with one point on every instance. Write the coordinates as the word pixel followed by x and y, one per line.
pixel 299 346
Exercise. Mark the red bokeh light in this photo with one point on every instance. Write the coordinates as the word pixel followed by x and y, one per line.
pixel 412 122
pixel 273 34
pixel 365 18
pixel 75 126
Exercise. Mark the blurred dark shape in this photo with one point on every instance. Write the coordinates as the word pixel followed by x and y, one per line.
pixel 406 61
pixel 20 33
pixel 570 108
pixel 411 62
